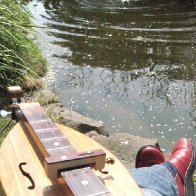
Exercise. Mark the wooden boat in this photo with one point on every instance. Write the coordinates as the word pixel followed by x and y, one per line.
pixel 39 157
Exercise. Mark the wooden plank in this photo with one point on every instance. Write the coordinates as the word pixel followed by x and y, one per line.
pixel 16 148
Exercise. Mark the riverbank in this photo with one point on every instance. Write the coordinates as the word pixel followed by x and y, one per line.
pixel 122 145
pixel 21 62
pixel 26 66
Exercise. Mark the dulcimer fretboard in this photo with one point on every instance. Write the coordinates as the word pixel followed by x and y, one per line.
pixel 53 143
pixel 59 154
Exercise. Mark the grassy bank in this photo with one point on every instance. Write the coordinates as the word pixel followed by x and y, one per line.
pixel 21 62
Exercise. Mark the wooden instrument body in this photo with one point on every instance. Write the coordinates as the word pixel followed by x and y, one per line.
pixel 18 147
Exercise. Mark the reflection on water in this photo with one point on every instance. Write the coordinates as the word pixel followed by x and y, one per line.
pixel 129 64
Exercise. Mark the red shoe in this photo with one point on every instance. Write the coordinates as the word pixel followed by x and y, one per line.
pixel 149 155
pixel 183 157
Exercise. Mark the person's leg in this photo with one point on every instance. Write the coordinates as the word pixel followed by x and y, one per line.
pixel 183 158
pixel 173 177
pixel 156 180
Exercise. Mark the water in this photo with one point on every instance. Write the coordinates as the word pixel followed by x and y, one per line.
pixel 128 64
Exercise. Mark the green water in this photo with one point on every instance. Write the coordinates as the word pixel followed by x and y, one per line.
pixel 128 64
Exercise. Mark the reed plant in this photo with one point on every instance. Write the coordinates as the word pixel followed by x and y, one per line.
pixel 20 58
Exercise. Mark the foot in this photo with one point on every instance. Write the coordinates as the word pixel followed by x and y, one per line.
pixel 149 155
pixel 183 157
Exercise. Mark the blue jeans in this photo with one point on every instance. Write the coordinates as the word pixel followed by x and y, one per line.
pixel 157 180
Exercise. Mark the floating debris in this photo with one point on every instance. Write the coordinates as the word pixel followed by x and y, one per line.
pixel 124 142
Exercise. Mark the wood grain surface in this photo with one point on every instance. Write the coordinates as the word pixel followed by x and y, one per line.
pixel 17 148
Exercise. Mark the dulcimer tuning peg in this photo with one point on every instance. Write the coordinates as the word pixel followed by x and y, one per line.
pixel 14 93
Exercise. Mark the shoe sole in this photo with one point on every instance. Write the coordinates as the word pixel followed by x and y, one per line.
pixel 189 186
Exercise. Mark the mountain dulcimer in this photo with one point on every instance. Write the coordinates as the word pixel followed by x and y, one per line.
pixel 73 163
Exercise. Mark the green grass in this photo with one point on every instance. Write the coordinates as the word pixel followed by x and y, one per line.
pixel 3 122
pixel 21 62
pixel 1 191
pixel 2 136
